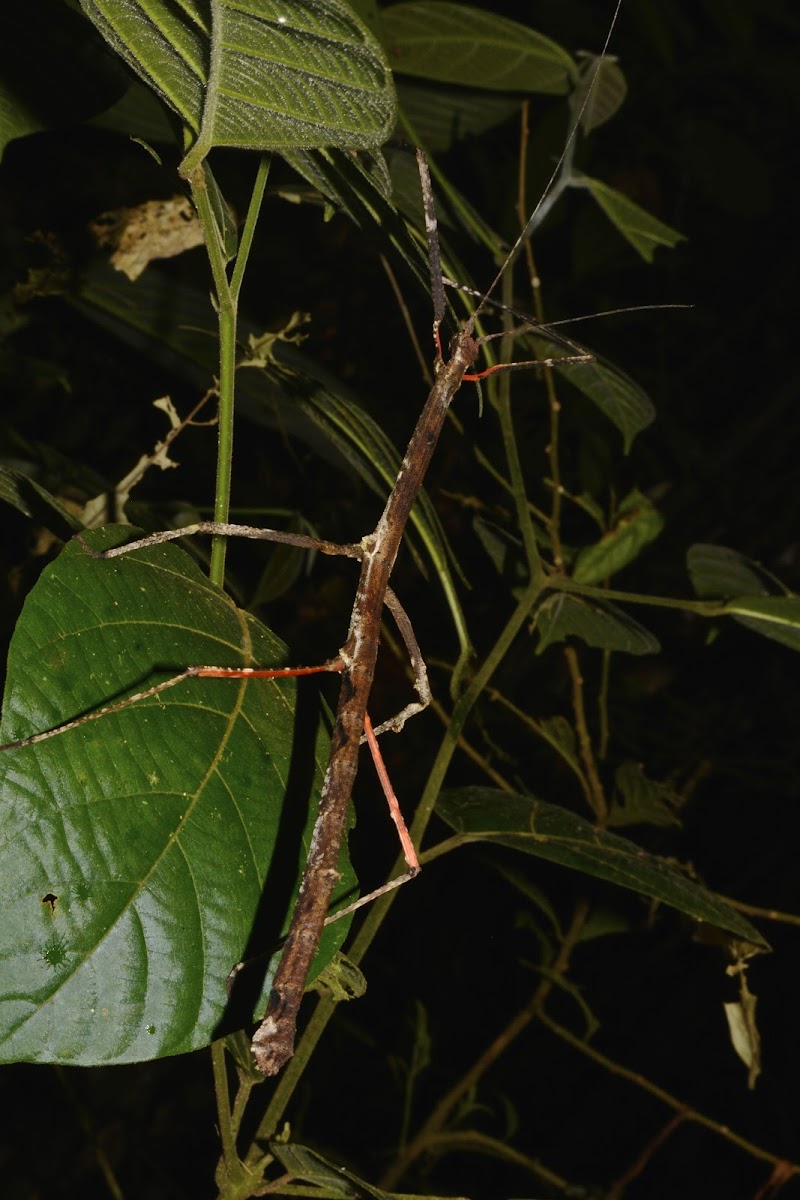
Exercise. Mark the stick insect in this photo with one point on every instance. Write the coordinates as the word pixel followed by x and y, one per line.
pixel 273 1042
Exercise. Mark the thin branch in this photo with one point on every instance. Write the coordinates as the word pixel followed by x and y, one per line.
pixel 641 1081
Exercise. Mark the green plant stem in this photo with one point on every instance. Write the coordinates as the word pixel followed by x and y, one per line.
pixel 701 608
pixel 641 1081
pixel 249 227
pixel 226 321
pixel 222 1096
pixel 506 1038
pixel 227 297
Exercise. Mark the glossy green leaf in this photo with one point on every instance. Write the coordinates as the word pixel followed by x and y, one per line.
pixel 717 571
pixel 643 231
pixel 638 523
pixel 596 622
pixel 261 75
pixel 548 831
pixel 453 43
pixel 146 853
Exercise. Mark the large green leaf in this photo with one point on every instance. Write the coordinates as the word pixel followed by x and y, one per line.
pixel 148 852
pixel 548 831
pixel 454 43
pixel 258 74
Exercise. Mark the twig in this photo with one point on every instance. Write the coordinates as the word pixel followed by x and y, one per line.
pixel 642 1159
pixel 689 1113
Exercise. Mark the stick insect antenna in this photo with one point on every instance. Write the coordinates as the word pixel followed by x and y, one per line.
pixel 568 146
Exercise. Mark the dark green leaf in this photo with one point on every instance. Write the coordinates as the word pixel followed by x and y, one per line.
pixel 638 523
pixel 17 119
pixel 717 571
pixel 596 622
pixel 444 117
pixel 643 231
pixel 775 617
pixel 171 833
pixel 641 801
pixel 139 114
pixel 453 43
pixel 618 397
pixel 30 498
pixel 558 732
pixel 548 831
pixel 360 186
